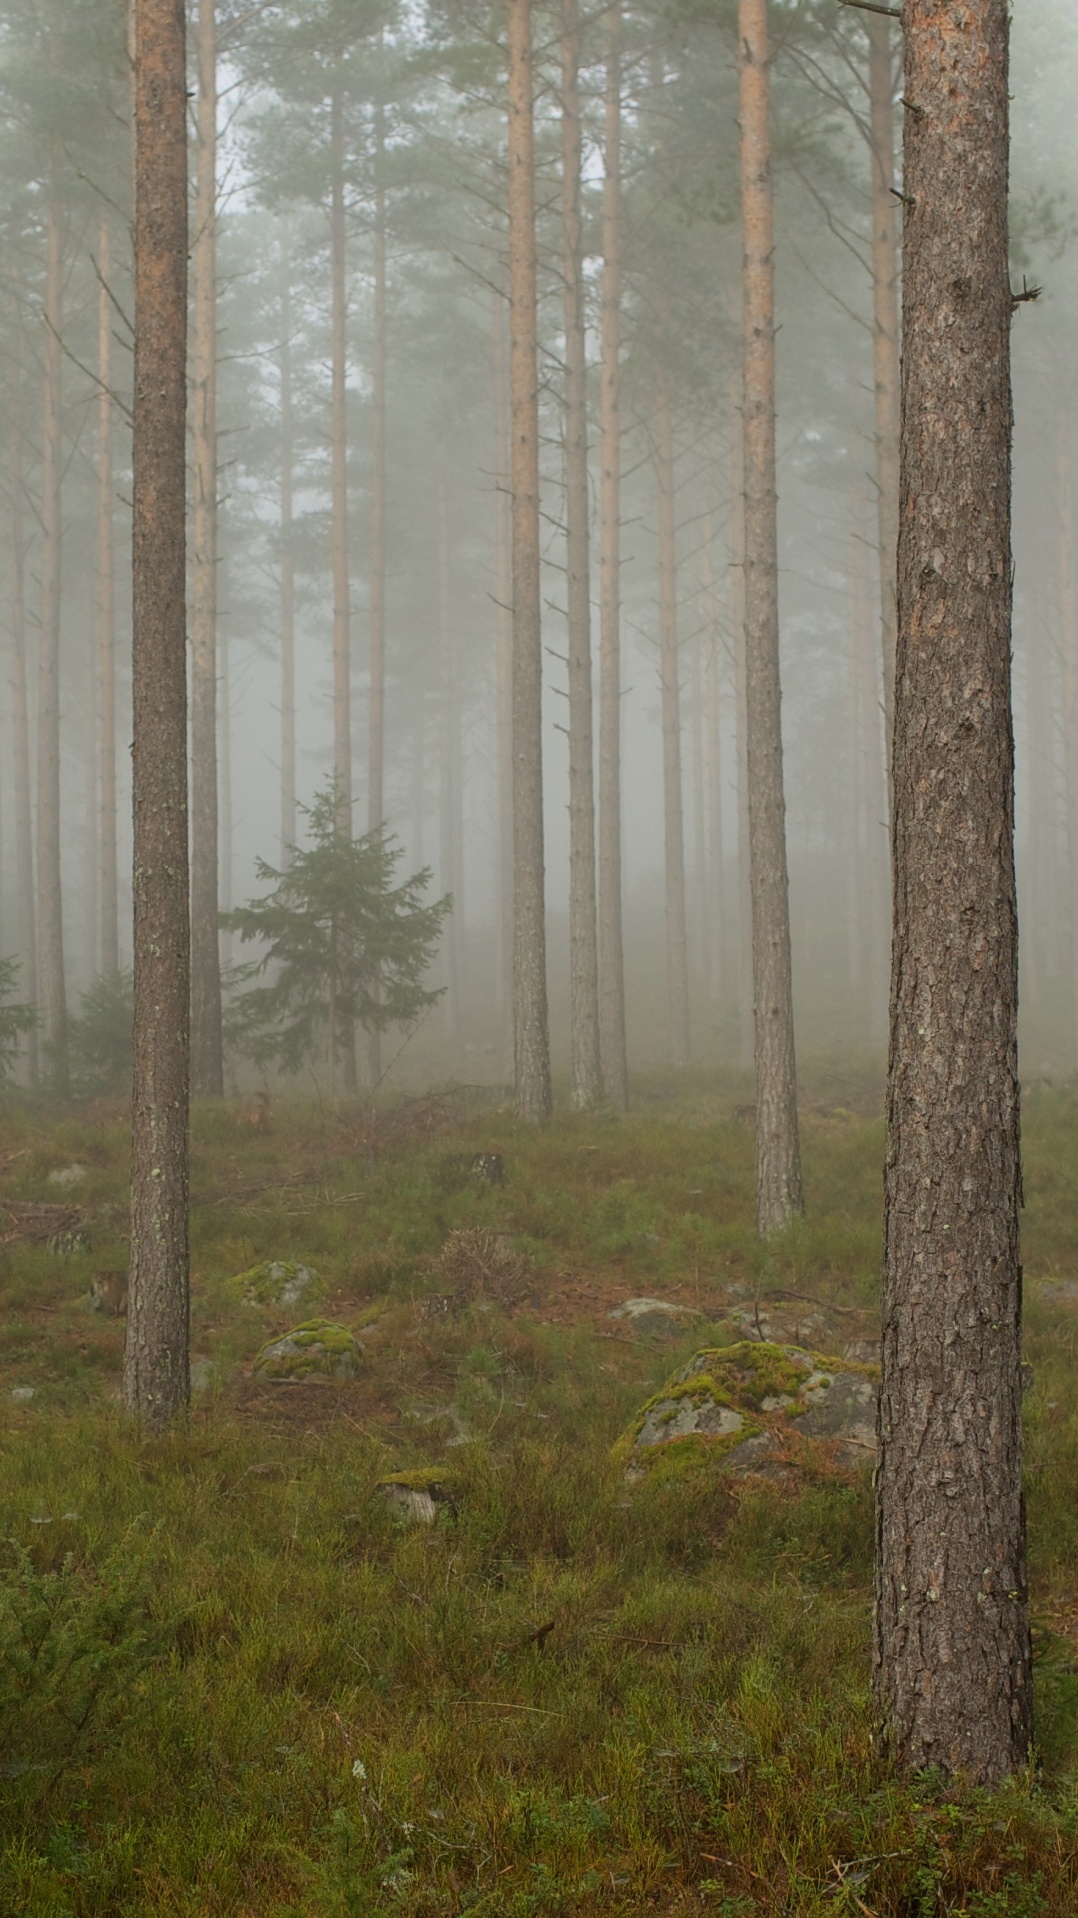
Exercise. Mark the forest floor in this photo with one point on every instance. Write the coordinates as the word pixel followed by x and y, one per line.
pixel 233 1681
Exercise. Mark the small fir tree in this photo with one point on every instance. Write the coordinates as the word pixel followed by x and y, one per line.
pixel 14 1019
pixel 343 946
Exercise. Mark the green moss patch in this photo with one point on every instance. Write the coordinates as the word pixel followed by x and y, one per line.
pixel 277 1282
pixel 316 1348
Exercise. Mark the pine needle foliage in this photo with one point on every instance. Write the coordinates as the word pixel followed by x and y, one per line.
pixel 343 946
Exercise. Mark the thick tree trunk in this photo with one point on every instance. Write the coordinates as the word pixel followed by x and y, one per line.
pixel 207 1057
pixel 1068 646
pixel 342 660
pixel 50 915
pixel 586 1071
pixel 156 1374
pixel 611 944
pixel 20 718
pixel 952 1647
pixel 449 765
pixel 106 631
pixel 503 670
pixel 778 1156
pixel 530 1029
pixel 288 582
pixel 884 338
pixel 677 945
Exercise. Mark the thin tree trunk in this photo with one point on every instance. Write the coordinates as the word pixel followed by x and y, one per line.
pixel 24 830
pixel 701 875
pixel 586 1070
pixel 106 631
pixel 503 669
pixel 778 1155
pixel 614 1059
pixel 156 1370
pixel 884 339
pixel 1038 945
pixel 530 1028
pixel 377 749
pixel 342 664
pixel 677 965
pixel 225 814
pixel 716 886
pixel 50 915
pixel 1068 648
pixel 449 764
pixel 746 1016
pixel 952 1645
pixel 89 719
pixel 419 793
pixel 288 581
pixel 207 1058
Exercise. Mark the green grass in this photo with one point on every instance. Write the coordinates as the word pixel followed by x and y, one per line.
pixel 232 1683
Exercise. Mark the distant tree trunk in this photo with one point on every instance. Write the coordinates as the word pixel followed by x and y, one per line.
pixel 530 1029
pixel 50 915
pixel 342 662
pixel 716 887
pixel 778 1155
pixel 952 1646
pixel 611 945
pixel 419 788
pixel 224 808
pixel 1068 646
pixel 1039 943
pixel 156 1374
pixel 207 1056
pixel 449 763
pixel 884 339
pixel 106 631
pixel 288 581
pixel 677 963
pixel 377 750
pixel 586 1071
pixel 89 725
pixel 701 874
pixel 746 1014
pixel 876 871
pixel 20 716
pixel 342 646
pixel 503 669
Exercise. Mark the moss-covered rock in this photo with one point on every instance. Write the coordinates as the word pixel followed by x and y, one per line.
pixel 318 1348
pixel 418 1496
pixel 277 1282
pixel 750 1406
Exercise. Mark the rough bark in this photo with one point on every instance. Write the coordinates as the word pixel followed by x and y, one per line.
pixel 530 1029
pixel 207 1053
pixel 20 719
pixel 288 581
pixel 952 1647
pixel 449 764
pixel 585 1065
pixel 611 943
pixel 156 1372
pixel 342 661
pixel 778 1157
pixel 106 630
pixel 884 338
pixel 503 669
pixel 677 945
pixel 50 913
pixel 1068 646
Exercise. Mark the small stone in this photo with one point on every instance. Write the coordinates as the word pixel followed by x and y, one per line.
pixel 22 1394
pixel 278 1282
pixel 203 1375
pixel 66 1176
pixel 318 1348
pixel 417 1497
pixel 658 1318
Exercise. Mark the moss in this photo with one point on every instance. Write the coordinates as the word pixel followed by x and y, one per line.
pixel 316 1346
pixel 277 1282
pixel 425 1478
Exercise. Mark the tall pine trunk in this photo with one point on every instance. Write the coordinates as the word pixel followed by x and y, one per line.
pixel 503 668
pixel 586 1070
pixel 778 1155
pixel 777 1149
pixel 713 758
pixel 611 941
pixel 20 719
pixel 449 763
pixel 207 1058
pixel 530 1029
pixel 344 1044
pixel 288 580
pixel 156 1368
pixel 885 365
pixel 677 945
pixel 377 745
pixel 952 1644
pixel 106 631
pixel 50 914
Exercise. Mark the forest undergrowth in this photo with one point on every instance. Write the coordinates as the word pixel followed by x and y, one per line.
pixel 232 1681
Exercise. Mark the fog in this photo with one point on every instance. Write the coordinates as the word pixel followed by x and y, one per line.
pixel 435 78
